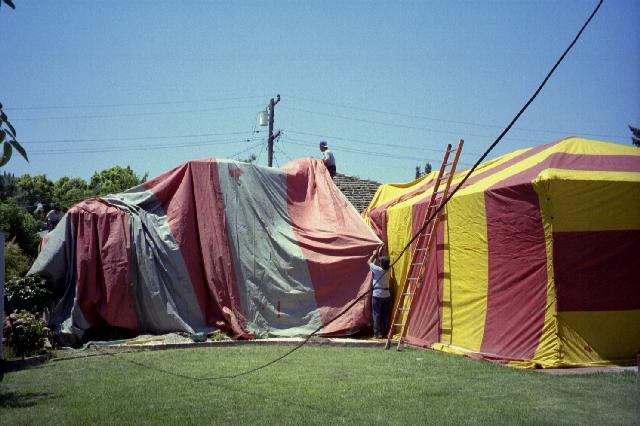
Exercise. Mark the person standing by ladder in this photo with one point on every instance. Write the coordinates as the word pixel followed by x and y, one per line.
pixel 381 297
pixel 328 158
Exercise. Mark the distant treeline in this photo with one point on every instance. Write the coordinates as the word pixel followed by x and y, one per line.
pixel 25 200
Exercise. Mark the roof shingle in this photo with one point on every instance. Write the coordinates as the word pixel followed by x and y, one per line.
pixel 358 191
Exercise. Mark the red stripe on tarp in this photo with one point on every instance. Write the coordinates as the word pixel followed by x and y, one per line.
pixel 517 282
pixel 192 200
pixel 584 162
pixel 378 215
pixel 102 264
pixel 424 324
pixel 335 242
pixel 597 270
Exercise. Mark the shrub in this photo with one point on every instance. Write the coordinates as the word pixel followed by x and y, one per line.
pixel 30 293
pixel 25 333
pixel 20 225
pixel 16 262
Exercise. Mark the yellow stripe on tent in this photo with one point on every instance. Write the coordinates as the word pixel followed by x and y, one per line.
pixel 586 201
pixel 467 264
pixel 594 327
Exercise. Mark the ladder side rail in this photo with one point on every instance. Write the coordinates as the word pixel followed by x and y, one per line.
pixel 418 246
pixel 419 281
pixel 432 233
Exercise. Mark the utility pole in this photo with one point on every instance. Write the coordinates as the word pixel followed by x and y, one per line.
pixel 272 137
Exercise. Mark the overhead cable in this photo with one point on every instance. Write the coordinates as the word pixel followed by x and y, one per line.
pixel 119 105
pixel 442 205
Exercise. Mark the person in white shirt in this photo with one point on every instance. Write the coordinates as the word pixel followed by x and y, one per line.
pixel 328 158
pixel 381 297
pixel 53 217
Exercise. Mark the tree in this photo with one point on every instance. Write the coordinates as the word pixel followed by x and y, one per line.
pixel 35 189
pixel 113 180
pixel 8 186
pixel 427 170
pixel 69 191
pixel 8 135
pixel 635 135
pixel 20 226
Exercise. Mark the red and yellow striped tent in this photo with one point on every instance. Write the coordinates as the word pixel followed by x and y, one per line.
pixel 537 261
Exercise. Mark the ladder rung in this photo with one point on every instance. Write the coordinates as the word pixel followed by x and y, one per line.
pixel 399 324
pixel 407 294
pixel 403 309
pixel 421 249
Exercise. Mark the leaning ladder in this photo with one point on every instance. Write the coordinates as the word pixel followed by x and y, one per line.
pixel 423 245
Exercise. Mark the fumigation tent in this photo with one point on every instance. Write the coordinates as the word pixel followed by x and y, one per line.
pixel 537 259
pixel 213 244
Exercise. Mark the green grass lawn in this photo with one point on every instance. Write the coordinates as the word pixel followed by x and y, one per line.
pixel 315 385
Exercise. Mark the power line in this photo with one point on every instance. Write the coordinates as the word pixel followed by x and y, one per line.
pixel 136 138
pixel 248 149
pixel 403 126
pixel 466 123
pixel 135 114
pixel 369 142
pixel 300 142
pixel 119 105
pixel 139 148
pixel 283 153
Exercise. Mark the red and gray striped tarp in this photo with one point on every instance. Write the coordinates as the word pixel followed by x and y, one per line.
pixel 215 244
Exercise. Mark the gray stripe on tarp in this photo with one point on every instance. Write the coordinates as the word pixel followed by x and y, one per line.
pixel 162 291
pixel 273 280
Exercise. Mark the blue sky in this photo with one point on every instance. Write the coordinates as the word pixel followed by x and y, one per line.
pixel 388 84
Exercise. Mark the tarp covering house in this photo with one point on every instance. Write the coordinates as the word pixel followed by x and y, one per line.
pixel 537 259
pixel 213 244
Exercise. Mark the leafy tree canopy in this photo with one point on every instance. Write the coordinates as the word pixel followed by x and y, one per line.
pixel 635 135
pixel 114 179
pixel 69 191
pixel 8 186
pixel 34 189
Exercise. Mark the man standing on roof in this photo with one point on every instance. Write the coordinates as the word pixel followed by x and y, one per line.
pixel 381 297
pixel 328 158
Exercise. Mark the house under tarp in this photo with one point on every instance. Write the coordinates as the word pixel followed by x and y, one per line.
pixel 215 244
pixel 537 259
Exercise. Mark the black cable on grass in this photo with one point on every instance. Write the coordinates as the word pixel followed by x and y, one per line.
pixel 444 203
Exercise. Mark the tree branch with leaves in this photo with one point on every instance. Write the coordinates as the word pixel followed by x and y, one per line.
pixel 8 139
pixel 635 135
pixel 8 3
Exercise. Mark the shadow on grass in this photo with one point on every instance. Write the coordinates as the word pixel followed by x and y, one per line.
pixel 10 399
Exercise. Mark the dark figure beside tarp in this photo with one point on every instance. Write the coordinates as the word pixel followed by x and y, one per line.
pixel 381 297
pixel 53 217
